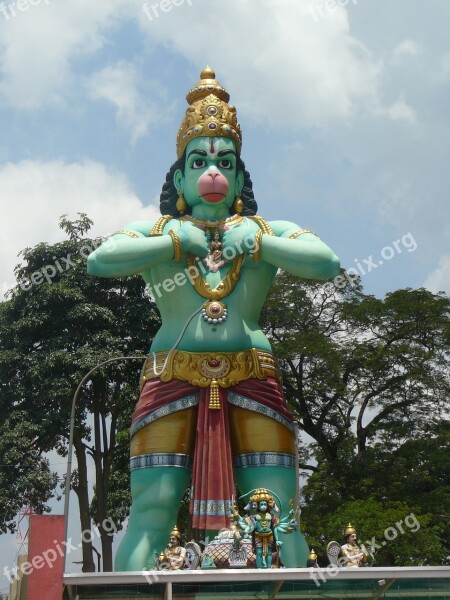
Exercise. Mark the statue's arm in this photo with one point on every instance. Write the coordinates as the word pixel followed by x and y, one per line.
pixel 131 251
pixel 244 525
pixel 304 255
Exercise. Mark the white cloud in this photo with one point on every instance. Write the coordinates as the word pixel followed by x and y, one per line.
pixel 406 48
pixel 136 108
pixel 401 111
pixel 39 44
pixel 286 65
pixel 439 279
pixel 281 64
pixel 35 194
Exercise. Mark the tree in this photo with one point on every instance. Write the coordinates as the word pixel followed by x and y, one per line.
pixel 368 381
pixel 25 476
pixel 58 324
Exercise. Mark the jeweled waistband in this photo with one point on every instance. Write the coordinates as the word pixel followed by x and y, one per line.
pixel 209 369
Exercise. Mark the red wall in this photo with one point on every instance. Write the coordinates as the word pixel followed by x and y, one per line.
pixel 46 563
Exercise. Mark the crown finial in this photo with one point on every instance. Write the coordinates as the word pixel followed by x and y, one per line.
pixel 207 73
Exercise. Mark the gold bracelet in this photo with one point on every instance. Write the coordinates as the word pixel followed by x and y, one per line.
pixel 301 232
pixel 126 232
pixel 258 242
pixel 176 245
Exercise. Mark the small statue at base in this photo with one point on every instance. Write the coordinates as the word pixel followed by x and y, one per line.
pixel 174 555
pixel 354 555
pixel 265 527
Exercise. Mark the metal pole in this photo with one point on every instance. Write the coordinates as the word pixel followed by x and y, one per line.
pixel 168 593
pixel 72 428
pixel 297 466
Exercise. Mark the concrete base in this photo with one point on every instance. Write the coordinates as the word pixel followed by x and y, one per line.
pixel 366 582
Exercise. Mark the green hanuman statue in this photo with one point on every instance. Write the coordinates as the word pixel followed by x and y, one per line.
pixel 211 411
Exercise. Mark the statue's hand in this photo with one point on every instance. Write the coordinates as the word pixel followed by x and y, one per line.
pixel 240 238
pixel 279 544
pixel 193 240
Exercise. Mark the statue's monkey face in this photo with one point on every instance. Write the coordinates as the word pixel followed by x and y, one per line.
pixel 210 172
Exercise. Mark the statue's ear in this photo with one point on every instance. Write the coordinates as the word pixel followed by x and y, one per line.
pixel 178 180
pixel 239 182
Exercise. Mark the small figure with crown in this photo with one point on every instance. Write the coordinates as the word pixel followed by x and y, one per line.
pixel 354 555
pixel 174 555
pixel 265 526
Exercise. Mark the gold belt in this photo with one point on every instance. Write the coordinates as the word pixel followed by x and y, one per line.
pixel 211 369
pixel 265 538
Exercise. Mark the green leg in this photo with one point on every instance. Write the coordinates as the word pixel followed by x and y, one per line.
pixel 282 481
pixel 156 496
pixel 259 559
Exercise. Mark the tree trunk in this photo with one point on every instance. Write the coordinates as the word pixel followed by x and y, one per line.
pixel 107 559
pixel 83 500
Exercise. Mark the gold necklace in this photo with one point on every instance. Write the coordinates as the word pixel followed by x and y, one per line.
pixel 233 220
pixel 214 311
pixel 264 520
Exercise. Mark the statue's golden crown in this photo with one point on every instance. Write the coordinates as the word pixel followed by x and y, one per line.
pixel 349 530
pixel 208 114
pixel 175 532
pixel 261 494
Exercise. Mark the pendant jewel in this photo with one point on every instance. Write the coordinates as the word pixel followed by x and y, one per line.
pixel 214 312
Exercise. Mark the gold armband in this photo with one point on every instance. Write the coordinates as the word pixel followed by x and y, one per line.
pixel 301 232
pixel 176 245
pixel 262 224
pixel 258 242
pixel 132 234
pixel 160 224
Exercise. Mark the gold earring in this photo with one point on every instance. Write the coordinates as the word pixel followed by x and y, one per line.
pixel 181 203
pixel 238 205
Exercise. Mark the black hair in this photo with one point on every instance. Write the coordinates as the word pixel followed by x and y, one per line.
pixel 169 194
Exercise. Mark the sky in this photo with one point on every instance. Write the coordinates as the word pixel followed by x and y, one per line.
pixel 343 106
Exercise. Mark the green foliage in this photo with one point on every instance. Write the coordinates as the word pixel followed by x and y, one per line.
pixel 56 328
pixel 390 531
pixel 367 379
pixel 25 477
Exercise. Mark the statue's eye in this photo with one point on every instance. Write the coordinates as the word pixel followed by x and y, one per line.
pixel 225 164
pixel 199 163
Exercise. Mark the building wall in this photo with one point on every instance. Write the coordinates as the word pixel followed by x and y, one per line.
pixel 45 557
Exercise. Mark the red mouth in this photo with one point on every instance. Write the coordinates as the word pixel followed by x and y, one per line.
pixel 213 197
